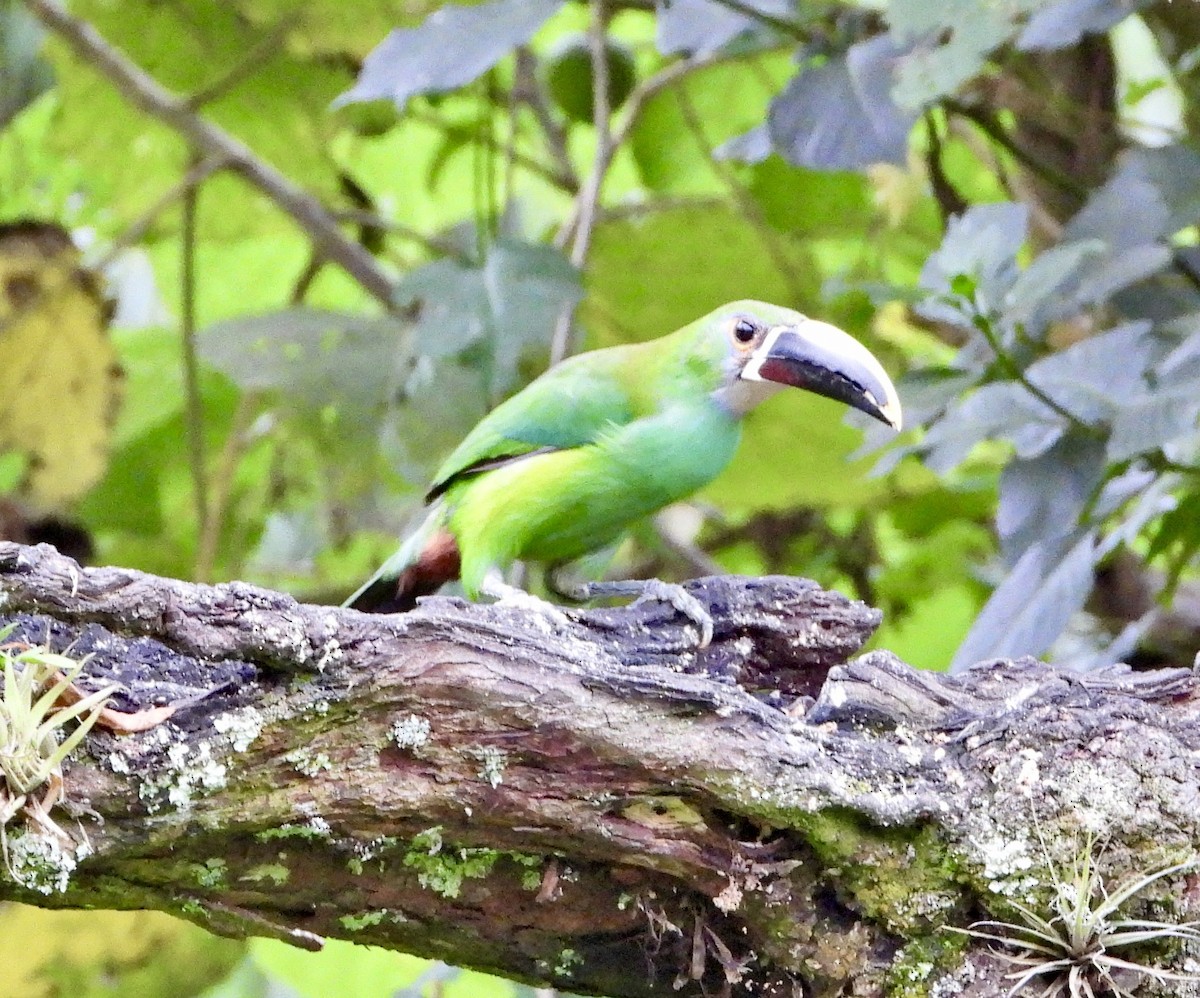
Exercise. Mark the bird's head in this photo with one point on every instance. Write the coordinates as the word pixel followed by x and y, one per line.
pixel 766 347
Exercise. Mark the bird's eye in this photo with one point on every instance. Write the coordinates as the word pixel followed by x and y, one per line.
pixel 744 330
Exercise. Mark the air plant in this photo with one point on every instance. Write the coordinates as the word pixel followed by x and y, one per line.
pixel 39 701
pixel 1075 944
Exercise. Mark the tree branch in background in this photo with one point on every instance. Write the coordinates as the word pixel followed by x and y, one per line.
pixel 193 403
pixel 588 199
pixel 147 94
pixel 601 805
pixel 528 90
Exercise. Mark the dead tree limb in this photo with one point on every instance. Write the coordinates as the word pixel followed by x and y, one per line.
pixel 603 807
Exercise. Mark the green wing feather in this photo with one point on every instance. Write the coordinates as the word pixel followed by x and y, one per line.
pixel 569 406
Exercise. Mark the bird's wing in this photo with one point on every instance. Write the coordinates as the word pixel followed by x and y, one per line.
pixel 569 406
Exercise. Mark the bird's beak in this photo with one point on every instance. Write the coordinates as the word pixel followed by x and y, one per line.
pixel 820 358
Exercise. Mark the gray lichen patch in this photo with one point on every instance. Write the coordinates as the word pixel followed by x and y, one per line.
pixel 308 761
pixel 411 732
pixel 241 726
pixel 186 770
pixel 492 762
pixel 41 862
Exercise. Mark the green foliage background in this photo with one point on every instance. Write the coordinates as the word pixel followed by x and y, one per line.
pixel 999 198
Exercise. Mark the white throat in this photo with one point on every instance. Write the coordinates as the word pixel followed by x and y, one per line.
pixel 741 396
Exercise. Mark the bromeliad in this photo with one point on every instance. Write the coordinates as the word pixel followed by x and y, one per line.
pixel 599 441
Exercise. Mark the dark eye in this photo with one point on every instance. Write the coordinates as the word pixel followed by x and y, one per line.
pixel 744 330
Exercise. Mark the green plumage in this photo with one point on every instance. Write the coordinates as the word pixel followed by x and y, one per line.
pixel 598 442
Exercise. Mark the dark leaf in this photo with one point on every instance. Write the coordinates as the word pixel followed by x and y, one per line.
pixel 1030 608
pixel 1003 410
pixel 1149 422
pixel 1041 499
pixel 1065 23
pixel 1127 212
pixel 1035 297
pixel 440 402
pixel 840 116
pixel 1174 172
pixel 1093 378
pixel 510 303
pixel 452 47
pixel 703 26
pixel 24 74
pixel 980 247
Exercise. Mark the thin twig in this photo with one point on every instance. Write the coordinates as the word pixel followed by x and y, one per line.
pixel 789 28
pixel 529 91
pixel 138 228
pixel 997 133
pixel 251 62
pixel 1014 371
pixel 771 240
pixel 147 94
pixel 434 244
pixel 194 405
pixel 551 174
pixel 588 201
pixel 222 485
pixel 634 107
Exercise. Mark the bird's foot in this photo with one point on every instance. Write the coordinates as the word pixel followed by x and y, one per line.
pixel 518 599
pixel 655 589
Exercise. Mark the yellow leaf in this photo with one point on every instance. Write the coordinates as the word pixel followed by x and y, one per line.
pixel 92 953
pixel 62 380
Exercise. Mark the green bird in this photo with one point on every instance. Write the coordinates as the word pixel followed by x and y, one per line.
pixel 605 438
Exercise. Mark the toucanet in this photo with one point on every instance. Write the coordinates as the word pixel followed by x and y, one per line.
pixel 605 438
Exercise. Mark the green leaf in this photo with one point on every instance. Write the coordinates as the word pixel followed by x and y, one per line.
pixel 507 306
pixel 727 100
pixel 317 362
pixel 453 46
pixel 706 256
pixel 811 202
pixel 953 40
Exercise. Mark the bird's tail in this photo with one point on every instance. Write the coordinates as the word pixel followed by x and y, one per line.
pixel 421 565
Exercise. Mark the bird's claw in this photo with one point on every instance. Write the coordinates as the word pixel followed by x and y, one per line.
pixel 506 595
pixel 663 592
pixel 518 599
pixel 684 602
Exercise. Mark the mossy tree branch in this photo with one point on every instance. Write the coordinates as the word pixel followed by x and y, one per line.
pixel 602 807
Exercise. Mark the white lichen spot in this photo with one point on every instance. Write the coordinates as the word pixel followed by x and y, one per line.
pixel 308 763
pixel 186 770
pixel 411 732
pixel 330 652
pixel 118 763
pixel 41 862
pixel 1004 858
pixel 242 727
pixel 730 899
pixel 492 762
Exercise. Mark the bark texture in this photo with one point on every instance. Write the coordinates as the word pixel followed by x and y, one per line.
pixel 601 806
